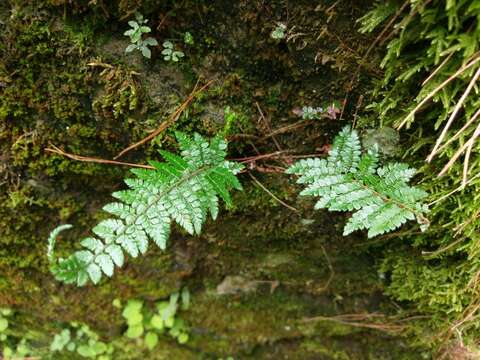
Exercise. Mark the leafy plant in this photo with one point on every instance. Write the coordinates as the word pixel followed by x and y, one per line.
pixel 350 181
pixel 188 38
pixel 138 28
pixel 164 321
pixel 431 68
pixel 279 32
pixel 310 113
pixel 170 54
pixel 83 341
pixel 435 57
pixel 183 189
pixel 12 346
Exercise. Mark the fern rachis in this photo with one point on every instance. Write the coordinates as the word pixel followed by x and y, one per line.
pixel 183 189
pixel 349 181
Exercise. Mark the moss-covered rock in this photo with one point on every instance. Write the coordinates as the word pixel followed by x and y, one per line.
pixel 65 82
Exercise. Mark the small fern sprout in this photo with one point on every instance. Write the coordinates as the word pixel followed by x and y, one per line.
pixel 183 189
pixel 348 180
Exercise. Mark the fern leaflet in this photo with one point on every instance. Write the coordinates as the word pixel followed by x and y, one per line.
pixel 380 197
pixel 183 189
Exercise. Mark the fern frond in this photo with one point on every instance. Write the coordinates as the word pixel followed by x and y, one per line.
pixel 350 181
pixel 183 189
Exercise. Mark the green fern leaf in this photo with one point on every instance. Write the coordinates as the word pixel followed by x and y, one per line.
pixel 183 189
pixel 349 181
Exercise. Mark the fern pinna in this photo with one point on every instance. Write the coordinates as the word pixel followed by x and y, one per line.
pixel 183 189
pixel 349 181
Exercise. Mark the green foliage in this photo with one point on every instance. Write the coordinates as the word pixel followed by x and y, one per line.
pixel 13 347
pixel 279 32
pixel 329 112
pixel 350 181
pixel 165 320
pixel 182 189
pixel 82 341
pixel 4 313
pixel 188 38
pixel 138 28
pixel 435 41
pixel 432 43
pixel 170 54
pixel 377 16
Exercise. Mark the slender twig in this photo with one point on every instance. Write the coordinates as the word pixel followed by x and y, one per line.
pixel 454 115
pixel 439 67
pixel 354 322
pixel 269 127
pixel 459 228
pixel 432 254
pixel 459 132
pixel 261 156
pixel 173 118
pixel 439 88
pixel 466 162
pixel 288 128
pixel 271 194
pixel 58 151
pixel 359 105
pixel 330 267
pixel 461 187
pixel 460 152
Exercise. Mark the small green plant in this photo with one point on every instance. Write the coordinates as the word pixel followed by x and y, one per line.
pixel 83 341
pixel 170 54
pixel 188 38
pixel 164 321
pixel 183 189
pixel 279 32
pixel 138 28
pixel 12 347
pixel 310 113
pixel 350 181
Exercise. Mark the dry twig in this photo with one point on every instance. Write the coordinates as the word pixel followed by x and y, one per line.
pixel 173 118
pixel 453 115
pixel 271 194
pixel 58 151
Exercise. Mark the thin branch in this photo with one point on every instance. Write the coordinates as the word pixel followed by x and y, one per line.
pixel 330 267
pixel 432 254
pixel 354 321
pixel 438 88
pixel 461 187
pixel 454 115
pixel 439 67
pixel 261 157
pixel 460 152
pixel 173 118
pixel 459 132
pixel 58 151
pixel 271 194
pixel 269 127
pixel 466 163
pixel 288 128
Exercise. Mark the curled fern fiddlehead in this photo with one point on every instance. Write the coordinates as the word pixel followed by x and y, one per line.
pixel 183 189
pixel 349 181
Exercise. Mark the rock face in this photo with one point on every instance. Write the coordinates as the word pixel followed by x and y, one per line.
pixel 259 274
pixel 232 285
